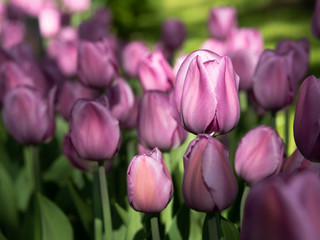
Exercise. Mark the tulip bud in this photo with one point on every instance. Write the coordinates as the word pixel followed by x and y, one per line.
pixel 300 59
pixel 94 132
pixel 77 5
pixel 206 93
pixel 216 46
pixel 123 103
pixel 158 122
pixel 155 73
pixel 283 208
pixel 149 183
pixel 260 154
pixel 306 127
pixel 273 85
pixel 315 25
pixel 173 33
pixel 97 65
pixel 208 181
pixel 69 93
pixel 296 162
pixel 28 116
pixel 131 56
pixel 222 21
pixel 49 20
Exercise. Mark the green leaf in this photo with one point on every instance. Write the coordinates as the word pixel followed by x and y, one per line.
pixel 122 213
pixel 24 189
pixel 180 226
pixel 54 223
pixel 134 224
pixel 2 237
pixel 229 230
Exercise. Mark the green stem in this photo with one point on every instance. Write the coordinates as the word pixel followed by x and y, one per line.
pixel 97 208
pixel 243 202
pixel 287 122
pixel 107 221
pixel 214 226
pixel 155 228
pixel 31 157
pixel 273 120
pixel 97 229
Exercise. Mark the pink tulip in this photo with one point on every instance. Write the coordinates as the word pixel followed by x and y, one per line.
pixel 77 5
pixel 216 46
pixel 49 21
pixel 149 183
pixel 208 181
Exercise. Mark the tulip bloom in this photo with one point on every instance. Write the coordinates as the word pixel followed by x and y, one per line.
pixel 283 208
pixel 155 73
pixel 206 93
pixel 77 5
pixel 306 127
pixel 216 46
pixel 260 154
pixel 97 65
pixel 173 33
pixel 94 132
pixel 208 181
pixel 149 183
pixel 273 86
pixel 159 122
pixel 315 26
pixel 28 116
pixel 49 20
pixel 222 20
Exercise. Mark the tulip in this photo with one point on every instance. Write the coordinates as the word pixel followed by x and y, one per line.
pixel 49 20
pixel 216 46
pixel 149 183
pixel 32 7
pixel 155 73
pixel 97 65
pixel 315 25
pixel 123 103
pixel 306 127
pixel 12 32
pixel 94 132
pixel 260 154
pixel 206 93
pixel 245 38
pixel 92 30
pixel 222 21
pixel 28 116
pixel 69 93
pixel 22 52
pixel 77 5
pixel 173 33
pixel 158 122
pixel 283 208
pixel 273 86
pixel 300 59
pixel 131 56
pixel 296 162
pixel 208 181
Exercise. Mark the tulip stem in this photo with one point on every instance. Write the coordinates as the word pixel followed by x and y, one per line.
pixel 107 221
pixel 287 122
pixel 274 120
pixel 243 202
pixel 31 156
pixel 214 228
pixel 155 228
pixel 97 229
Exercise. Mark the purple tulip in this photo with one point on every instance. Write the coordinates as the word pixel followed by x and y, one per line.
pixel 22 52
pixel 216 46
pixel 260 154
pixel 12 32
pixel 273 86
pixel 155 73
pixel 206 93
pixel 97 65
pixel 296 162
pixel 159 122
pixel 173 33
pixel 208 181
pixel 28 116
pixel 222 21
pixel 93 30
pixel 300 59
pixel 315 26
pixel 123 103
pixel 77 5
pixel 94 132
pixel 32 7
pixel 149 183
pixel 306 120
pixel 68 93
pixel 283 208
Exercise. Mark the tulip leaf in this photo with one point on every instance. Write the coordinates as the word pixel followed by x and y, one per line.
pixel 24 188
pixel 54 223
pixel 2 237
pixel 122 213
pixel 120 233
pixel 134 224
pixel 180 226
pixel 229 230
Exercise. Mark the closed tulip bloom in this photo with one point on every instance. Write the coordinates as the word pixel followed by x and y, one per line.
pixel 94 132
pixel 315 25
pixel 149 183
pixel 283 208
pixel 122 101
pixel 97 65
pixel 28 116
pixel 159 122
pixel 49 20
pixel 245 38
pixel 260 154
pixel 77 5
pixel 306 127
pixel 222 20
pixel 208 181
pixel 173 33
pixel 155 73
pixel 300 59
pixel 273 86
pixel 206 93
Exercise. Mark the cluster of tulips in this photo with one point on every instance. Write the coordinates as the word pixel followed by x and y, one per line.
pixel 103 89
